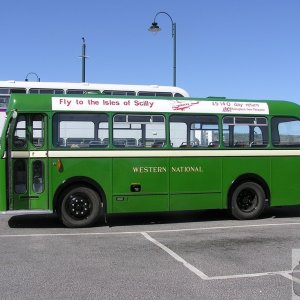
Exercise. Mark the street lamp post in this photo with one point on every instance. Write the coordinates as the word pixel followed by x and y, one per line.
pixel 83 57
pixel 155 28
pixel 32 73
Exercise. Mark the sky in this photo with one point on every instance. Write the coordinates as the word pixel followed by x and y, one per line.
pixel 240 49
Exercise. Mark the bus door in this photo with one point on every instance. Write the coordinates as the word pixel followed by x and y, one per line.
pixel 27 163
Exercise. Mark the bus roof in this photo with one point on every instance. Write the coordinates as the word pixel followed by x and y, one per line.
pixel 12 84
pixel 47 102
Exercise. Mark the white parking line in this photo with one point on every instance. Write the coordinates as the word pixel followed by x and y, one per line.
pixel 176 256
pixel 224 227
pixel 151 231
pixel 250 275
pixel 202 275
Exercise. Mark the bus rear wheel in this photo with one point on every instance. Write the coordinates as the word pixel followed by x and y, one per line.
pixel 80 207
pixel 248 201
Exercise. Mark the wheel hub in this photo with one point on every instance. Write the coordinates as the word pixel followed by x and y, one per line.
pixel 78 206
pixel 247 200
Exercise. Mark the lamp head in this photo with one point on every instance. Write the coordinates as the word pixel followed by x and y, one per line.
pixel 154 27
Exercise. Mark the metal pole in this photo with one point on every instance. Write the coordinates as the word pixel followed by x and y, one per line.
pixel 83 59
pixel 174 58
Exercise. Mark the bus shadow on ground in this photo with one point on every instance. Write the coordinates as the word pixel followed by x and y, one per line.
pixel 198 216
pixel 35 221
pixel 129 219
pixel 52 220
pixel 282 212
pixel 166 218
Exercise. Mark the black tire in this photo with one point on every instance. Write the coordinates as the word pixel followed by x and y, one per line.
pixel 80 207
pixel 248 201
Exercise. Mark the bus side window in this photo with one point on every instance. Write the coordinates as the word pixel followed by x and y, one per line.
pixel 285 132
pixel 142 131
pixel 38 176
pixel 245 132
pixel 178 95
pixel 20 176
pixel 119 93
pixel 80 130
pixel 38 131
pixel 20 132
pixel 194 131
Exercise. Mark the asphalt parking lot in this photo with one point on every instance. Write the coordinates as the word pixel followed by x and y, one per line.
pixel 205 255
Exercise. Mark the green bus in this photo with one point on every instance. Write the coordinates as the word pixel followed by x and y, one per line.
pixel 88 156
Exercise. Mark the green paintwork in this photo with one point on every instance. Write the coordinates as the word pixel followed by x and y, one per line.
pixel 151 174
pixel 195 183
pixel 97 169
pixel 285 180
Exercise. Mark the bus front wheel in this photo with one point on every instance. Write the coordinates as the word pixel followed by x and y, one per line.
pixel 80 207
pixel 247 201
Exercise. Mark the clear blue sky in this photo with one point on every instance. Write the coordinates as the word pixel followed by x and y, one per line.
pixel 234 48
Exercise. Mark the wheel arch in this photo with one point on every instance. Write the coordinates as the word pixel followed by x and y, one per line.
pixel 76 181
pixel 245 178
